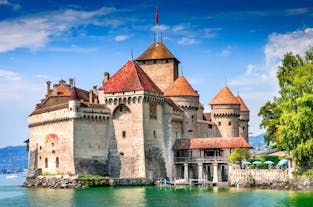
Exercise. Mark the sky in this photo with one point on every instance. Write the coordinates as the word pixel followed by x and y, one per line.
pixel 218 42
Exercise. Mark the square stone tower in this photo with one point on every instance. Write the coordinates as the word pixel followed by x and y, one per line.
pixel 159 64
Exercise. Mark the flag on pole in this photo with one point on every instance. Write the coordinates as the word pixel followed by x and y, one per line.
pixel 156 16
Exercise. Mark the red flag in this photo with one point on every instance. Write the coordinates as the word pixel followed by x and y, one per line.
pixel 157 16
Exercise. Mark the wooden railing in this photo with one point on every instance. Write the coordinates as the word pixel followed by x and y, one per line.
pixel 179 160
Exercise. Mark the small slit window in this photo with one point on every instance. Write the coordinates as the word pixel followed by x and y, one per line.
pixel 46 162
pixel 123 133
pixel 229 123
pixel 220 123
pixel 57 162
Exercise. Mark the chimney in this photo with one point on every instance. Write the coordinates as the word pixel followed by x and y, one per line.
pixel 71 82
pixel 106 78
pixel 94 88
pixel 48 86
pixel 90 96
pixel 63 82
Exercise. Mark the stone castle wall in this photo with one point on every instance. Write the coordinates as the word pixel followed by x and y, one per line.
pixel 257 177
pixel 91 144
pixel 53 156
pixel 127 126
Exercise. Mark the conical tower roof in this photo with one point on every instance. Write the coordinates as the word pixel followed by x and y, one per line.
pixel 156 51
pixel 224 96
pixel 74 95
pixel 180 87
pixel 243 106
pixel 130 78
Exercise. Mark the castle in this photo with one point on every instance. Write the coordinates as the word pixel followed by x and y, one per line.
pixel 145 121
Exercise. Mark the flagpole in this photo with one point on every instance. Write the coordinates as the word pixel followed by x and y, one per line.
pixel 157 25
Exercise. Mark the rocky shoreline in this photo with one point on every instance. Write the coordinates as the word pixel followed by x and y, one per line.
pixel 75 182
pixel 52 182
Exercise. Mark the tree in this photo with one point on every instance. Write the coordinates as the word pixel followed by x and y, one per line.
pixel 239 154
pixel 289 118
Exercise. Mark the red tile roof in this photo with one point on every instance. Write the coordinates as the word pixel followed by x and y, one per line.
pixel 243 106
pixel 130 78
pixel 224 96
pixel 156 51
pixel 211 143
pixel 180 87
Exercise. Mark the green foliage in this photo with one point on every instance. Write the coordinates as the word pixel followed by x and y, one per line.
pixel 289 118
pixel 239 154
pixel 272 158
pixel 90 177
pixel 309 174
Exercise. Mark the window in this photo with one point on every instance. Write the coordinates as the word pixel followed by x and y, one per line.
pixel 219 123
pixel 153 111
pixel 52 144
pixel 176 135
pixel 229 123
pixel 192 117
pixel 154 134
pixel 57 162
pixel 210 126
pixel 124 133
pixel 189 130
pixel 40 148
pixel 46 162
pixel 243 128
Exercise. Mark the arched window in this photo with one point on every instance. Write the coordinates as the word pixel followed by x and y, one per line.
pixel 57 162
pixel 46 162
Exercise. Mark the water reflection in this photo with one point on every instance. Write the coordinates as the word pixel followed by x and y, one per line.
pixel 11 195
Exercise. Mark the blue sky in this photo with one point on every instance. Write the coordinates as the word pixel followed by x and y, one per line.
pixel 240 40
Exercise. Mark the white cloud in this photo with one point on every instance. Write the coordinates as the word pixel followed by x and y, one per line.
pixel 161 27
pixel 10 75
pixel 226 51
pixel 187 41
pixel 210 32
pixel 250 69
pixel 178 28
pixel 279 44
pixel 121 37
pixel 297 11
pixel 36 31
pixel 41 76
pixel 14 6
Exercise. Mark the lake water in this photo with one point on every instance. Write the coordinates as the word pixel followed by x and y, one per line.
pixel 12 195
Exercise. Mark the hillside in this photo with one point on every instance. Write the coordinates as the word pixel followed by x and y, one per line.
pixel 16 156
pixel 256 140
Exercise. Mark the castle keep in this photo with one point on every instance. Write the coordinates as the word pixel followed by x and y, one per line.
pixel 143 122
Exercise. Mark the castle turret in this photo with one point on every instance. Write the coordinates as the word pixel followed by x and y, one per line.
pixel 226 112
pixel 159 64
pixel 74 104
pixel 243 119
pixel 184 96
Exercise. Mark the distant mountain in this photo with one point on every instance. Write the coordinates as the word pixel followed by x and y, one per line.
pixel 13 157
pixel 256 140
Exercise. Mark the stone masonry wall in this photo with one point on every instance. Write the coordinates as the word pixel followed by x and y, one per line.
pixel 48 150
pixel 162 74
pixel 257 177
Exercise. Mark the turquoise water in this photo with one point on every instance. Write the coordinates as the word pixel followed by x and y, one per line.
pixel 12 195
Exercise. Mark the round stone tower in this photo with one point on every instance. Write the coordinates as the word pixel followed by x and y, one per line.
pixel 74 104
pixel 226 113
pixel 243 119
pixel 187 99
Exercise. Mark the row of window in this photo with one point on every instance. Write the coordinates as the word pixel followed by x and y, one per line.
pixel 154 134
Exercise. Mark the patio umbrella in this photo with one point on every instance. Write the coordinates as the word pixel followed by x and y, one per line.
pixel 246 163
pixel 268 162
pixel 256 162
pixel 283 162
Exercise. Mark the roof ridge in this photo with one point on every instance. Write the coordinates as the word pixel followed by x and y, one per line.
pixel 243 106
pixel 130 77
